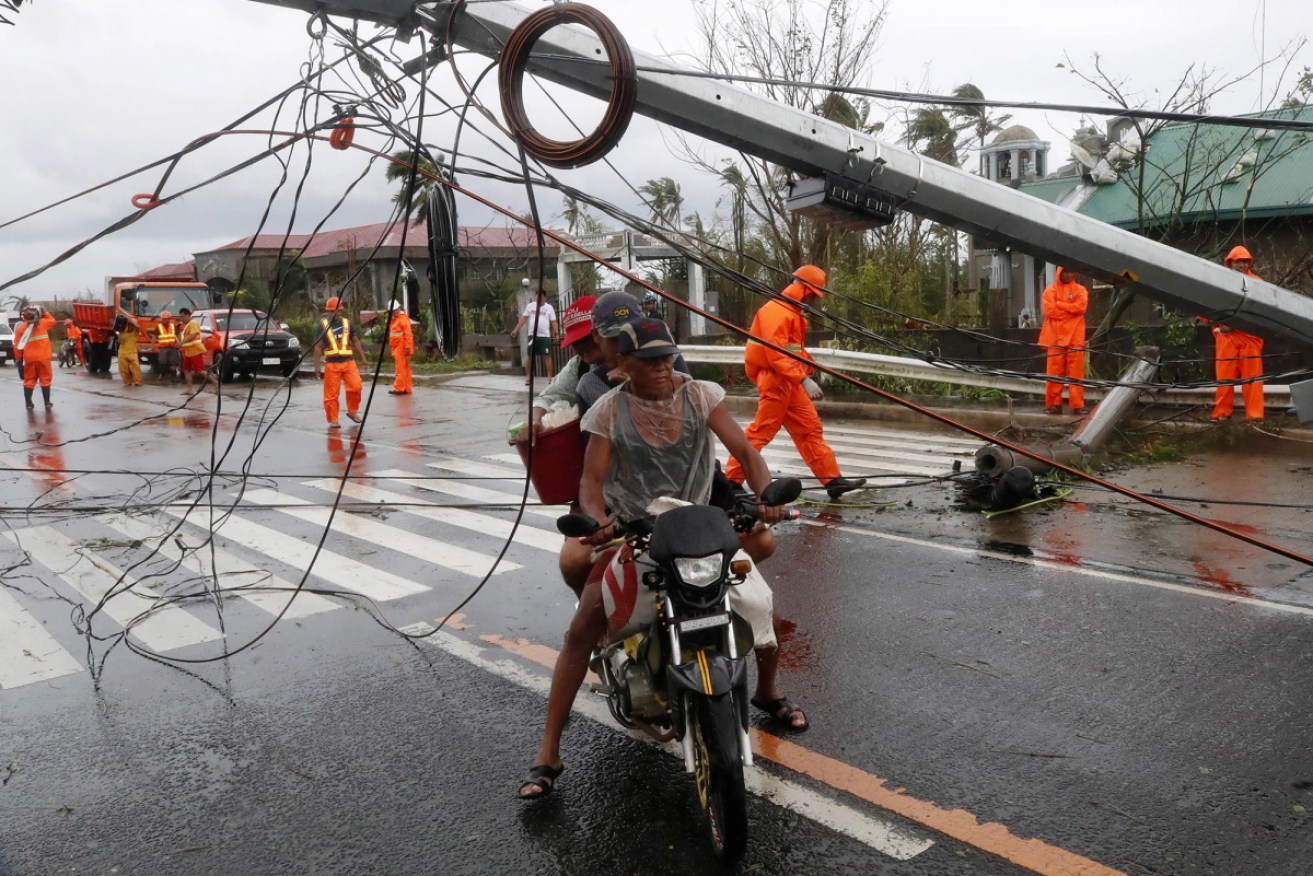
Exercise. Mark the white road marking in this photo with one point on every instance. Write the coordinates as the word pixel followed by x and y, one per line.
pixel 1074 570
pixel 28 653
pixel 340 571
pixel 883 450
pixel 964 444
pixel 236 576
pixel 859 462
pixel 494 526
pixel 160 627
pixel 511 459
pixel 476 468
pixel 888 837
pixel 479 495
pixel 422 547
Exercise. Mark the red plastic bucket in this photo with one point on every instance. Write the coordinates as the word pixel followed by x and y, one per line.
pixel 558 463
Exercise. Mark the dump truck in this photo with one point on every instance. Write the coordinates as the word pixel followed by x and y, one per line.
pixel 144 301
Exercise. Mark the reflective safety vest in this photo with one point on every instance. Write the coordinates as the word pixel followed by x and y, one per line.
pixel 168 335
pixel 337 341
pixel 192 344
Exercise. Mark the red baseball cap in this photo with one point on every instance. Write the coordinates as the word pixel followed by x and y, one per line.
pixel 578 320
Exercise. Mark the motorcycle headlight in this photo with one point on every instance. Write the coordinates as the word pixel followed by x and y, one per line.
pixel 699 571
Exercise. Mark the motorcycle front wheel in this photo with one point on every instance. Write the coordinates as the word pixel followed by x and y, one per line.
pixel 718 768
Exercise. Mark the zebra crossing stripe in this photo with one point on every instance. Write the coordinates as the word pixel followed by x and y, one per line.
pixel 787 463
pixel 892 450
pixel 422 547
pixel 459 517
pixel 853 462
pixel 511 459
pixel 263 589
pixel 28 653
pixel 478 469
pixel 922 439
pixel 160 628
pixel 479 495
pixel 337 570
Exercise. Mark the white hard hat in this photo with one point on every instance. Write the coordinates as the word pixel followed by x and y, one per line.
pixel 524 282
pixel 395 306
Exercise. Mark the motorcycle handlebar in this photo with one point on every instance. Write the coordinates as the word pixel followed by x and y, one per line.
pixel 745 512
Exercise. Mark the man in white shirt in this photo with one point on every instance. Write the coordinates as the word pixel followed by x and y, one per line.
pixel 542 331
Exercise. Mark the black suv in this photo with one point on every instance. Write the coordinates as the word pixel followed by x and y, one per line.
pixel 246 341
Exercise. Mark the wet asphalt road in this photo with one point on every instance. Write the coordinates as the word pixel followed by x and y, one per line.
pixel 1080 687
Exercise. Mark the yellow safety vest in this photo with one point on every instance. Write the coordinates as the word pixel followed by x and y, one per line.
pixel 168 335
pixel 337 342
pixel 193 345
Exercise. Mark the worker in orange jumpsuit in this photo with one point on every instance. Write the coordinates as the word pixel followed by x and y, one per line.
pixel 74 334
pixel 1063 334
pixel 401 338
pixel 36 356
pixel 1239 355
pixel 784 386
pixel 20 340
pixel 335 362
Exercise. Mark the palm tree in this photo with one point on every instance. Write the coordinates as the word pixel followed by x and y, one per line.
pixel 664 200
pixel 976 118
pixel 414 205
pixel 573 216
pixel 930 133
pixel 733 179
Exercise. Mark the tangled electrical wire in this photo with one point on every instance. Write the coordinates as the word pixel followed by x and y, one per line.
pixel 359 94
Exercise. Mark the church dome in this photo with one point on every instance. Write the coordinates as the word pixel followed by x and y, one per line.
pixel 1014 133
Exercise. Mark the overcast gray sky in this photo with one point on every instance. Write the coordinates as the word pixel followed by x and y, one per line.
pixel 93 88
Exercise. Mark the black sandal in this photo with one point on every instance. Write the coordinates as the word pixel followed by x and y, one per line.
pixel 543 777
pixel 783 710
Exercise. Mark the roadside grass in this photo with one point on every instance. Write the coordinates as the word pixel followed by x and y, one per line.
pixel 423 365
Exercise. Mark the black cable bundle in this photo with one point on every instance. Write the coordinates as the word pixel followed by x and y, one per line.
pixel 442 269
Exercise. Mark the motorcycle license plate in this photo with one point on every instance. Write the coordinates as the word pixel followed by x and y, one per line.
pixel 272 360
pixel 703 623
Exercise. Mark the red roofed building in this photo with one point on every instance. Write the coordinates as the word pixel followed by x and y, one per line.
pixel 361 263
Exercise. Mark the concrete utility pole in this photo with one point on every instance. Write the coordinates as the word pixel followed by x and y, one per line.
pixel 812 146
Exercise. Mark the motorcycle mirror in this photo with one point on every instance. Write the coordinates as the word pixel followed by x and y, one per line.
pixel 576 525
pixel 782 491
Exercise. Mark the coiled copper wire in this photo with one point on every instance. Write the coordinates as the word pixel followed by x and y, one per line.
pixel 620 103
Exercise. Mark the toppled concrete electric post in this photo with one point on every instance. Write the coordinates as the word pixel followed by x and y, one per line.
pixel 992 461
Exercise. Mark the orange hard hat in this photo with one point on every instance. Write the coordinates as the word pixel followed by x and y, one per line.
pixel 1236 254
pixel 332 304
pixel 812 276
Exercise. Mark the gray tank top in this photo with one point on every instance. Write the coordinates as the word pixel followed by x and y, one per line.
pixel 643 469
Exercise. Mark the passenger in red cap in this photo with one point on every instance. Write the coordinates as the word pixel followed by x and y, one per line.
pixel 577 322
pixel 578 337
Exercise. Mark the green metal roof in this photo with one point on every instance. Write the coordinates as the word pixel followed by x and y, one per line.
pixel 1184 170
pixel 1053 189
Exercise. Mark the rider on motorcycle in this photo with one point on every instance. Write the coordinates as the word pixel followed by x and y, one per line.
pixel 652 437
